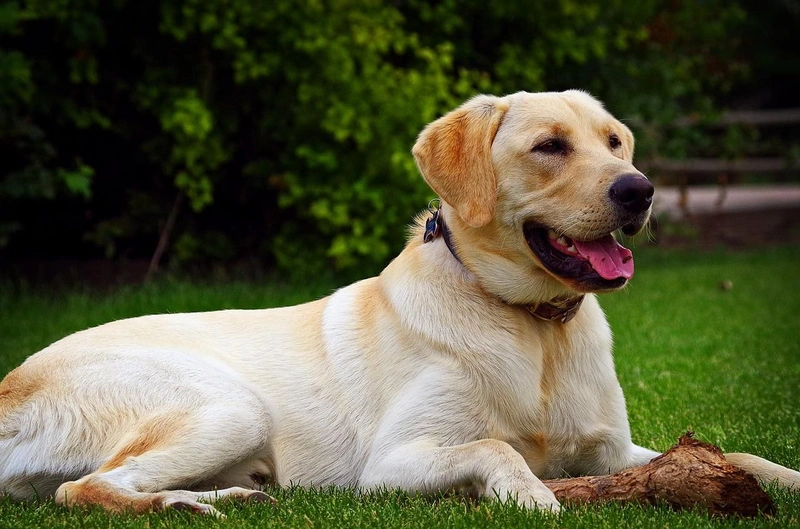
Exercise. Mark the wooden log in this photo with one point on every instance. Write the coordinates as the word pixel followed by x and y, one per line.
pixel 692 474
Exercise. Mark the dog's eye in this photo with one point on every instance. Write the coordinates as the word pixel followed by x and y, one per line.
pixel 551 147
pixel 614 141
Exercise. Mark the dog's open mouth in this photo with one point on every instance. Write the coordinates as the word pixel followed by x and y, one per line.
pixel 601 264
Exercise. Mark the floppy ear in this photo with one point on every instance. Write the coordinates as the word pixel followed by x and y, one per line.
pixel 454 156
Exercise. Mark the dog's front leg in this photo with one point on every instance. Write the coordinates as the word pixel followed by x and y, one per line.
pixel 491 467
pixel 639 456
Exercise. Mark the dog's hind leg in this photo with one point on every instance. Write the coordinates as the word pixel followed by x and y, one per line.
pixel 166 453
pixel 766 471
pixel 127 428
pixel 638 456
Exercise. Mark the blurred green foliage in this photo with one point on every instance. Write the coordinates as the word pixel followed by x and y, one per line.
pixel 287 125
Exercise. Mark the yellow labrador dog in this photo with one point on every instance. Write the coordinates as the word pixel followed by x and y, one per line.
pixel 478 360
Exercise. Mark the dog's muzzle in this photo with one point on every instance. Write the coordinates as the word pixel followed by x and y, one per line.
pixel 632 195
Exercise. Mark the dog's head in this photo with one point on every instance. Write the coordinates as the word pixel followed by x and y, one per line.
pixel 538 183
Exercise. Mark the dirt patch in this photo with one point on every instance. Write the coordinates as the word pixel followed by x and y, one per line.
pixel 70 272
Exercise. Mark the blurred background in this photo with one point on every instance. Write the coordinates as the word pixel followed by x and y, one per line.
pixel 242 137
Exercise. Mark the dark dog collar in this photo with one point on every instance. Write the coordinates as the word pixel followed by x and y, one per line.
pixel 557 309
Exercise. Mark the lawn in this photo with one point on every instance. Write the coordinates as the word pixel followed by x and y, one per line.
pixel 704 341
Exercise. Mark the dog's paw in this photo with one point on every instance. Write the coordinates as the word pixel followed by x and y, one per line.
pixel 541 502
pixel 540 498
pixel 183 503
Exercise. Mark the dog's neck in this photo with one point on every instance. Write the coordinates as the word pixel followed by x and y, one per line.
pixel 560 309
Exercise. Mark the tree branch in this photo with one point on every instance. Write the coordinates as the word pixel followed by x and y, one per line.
pixel 692 474
pixel 163 239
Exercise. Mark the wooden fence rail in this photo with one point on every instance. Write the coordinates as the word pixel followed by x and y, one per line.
pixel 759 118
pixel 756 118
pixel 725 168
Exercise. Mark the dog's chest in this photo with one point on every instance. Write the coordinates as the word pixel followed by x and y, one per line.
pixel 565 411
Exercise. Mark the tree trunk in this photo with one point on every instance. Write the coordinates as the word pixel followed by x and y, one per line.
pixel 163 239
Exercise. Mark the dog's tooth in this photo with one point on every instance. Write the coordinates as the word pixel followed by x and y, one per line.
pixel 552 234
pixel 562 241
pixel 572 249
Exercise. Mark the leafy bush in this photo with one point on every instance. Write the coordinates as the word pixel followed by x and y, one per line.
pixel 287 125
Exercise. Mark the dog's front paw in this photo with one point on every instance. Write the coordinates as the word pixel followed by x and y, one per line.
pixel 540 498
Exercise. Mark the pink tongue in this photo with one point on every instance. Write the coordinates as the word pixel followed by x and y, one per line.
pixel 609 258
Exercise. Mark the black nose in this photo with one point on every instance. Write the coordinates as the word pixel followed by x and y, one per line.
pixel 633 192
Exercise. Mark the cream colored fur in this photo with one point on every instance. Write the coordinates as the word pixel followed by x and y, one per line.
pixel 429 377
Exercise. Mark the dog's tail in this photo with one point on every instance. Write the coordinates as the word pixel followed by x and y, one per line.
pixel 766 471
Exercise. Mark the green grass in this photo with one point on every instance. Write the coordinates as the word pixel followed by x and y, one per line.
pixel 690 355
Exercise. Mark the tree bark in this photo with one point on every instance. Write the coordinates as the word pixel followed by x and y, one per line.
pixel 691 475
